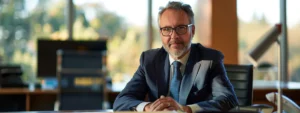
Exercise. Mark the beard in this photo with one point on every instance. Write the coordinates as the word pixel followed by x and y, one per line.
pixel 177 48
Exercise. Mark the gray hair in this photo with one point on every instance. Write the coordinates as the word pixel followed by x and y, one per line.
pixel 177 5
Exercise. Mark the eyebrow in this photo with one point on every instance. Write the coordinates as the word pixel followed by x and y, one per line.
pixel 175 26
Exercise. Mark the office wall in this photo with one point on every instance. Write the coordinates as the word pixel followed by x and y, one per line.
pixel 218 27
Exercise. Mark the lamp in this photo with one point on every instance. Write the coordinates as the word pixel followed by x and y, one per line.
pixel 262 46
pixel 267 40
pixel 270 38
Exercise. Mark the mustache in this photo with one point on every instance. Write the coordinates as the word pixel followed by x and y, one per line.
pixel 175 42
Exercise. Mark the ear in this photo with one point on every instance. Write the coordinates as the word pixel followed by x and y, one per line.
pixel 193 30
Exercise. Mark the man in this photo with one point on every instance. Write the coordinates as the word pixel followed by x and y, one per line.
pixel 180 75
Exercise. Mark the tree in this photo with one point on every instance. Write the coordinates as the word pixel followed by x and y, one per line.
pixel 20 28
pixel 14 26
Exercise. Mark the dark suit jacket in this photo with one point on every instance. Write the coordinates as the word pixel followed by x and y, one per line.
pixel 204 81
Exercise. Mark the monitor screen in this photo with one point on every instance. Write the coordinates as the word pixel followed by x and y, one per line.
pixel 46 53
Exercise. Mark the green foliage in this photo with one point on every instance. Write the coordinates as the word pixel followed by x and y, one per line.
pixel 124 53
pixel 14 27
pixel 18 34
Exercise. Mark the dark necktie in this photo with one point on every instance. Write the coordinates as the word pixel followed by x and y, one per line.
pixel 175 81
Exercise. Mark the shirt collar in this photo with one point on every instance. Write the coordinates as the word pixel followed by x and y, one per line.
pixel 183 60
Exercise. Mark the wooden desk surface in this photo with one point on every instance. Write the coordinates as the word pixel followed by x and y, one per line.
pixel 260 89
pixel 25 91
pixel 261 84
pixel 34 99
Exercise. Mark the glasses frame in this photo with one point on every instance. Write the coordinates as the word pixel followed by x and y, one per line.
pixel 175 29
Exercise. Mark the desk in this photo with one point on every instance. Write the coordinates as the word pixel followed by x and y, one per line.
pixel 41 100
pixel 35 100
pixel 261 88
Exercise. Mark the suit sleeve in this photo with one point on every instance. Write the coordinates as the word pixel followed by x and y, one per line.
pixel 224 97
pixel 134 92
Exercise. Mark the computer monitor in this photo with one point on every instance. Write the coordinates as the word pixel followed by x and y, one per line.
pixel 46 53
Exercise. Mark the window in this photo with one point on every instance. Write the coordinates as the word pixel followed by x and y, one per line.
pixel 124 25
pixel 293 19
pixel 22 22
pixel 255 20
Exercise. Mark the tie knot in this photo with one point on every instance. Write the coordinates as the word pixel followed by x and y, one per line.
pixel 176 64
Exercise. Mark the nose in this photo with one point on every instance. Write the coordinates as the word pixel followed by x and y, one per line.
pixel 174 34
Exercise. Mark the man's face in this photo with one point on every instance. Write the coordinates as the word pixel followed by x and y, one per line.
pixel 176 44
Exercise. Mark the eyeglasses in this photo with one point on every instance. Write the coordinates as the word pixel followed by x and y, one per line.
pixel 180 30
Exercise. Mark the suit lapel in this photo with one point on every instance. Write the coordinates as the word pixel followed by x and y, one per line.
pixel 198 75
pixel 163 74
pixel 189 75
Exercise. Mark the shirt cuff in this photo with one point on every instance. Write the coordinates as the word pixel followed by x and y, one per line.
pixel 195 108
pixel 141 106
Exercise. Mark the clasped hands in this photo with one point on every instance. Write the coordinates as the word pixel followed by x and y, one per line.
pixel 166 104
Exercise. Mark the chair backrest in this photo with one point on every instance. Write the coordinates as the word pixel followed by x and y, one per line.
pixel 241 77
pixel 81 80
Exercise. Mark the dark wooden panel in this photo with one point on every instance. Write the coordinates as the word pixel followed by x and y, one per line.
pixel 42 102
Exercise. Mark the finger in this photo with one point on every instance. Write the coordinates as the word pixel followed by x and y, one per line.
pixel 171 100
pixel 147 107
pixel 158 102
pixel 174 104
pixel 171 108
pixel 166 109
pixel 154 104
pixel 161 106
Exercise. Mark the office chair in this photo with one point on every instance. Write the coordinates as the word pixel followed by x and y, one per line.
pixel 241 77
pixel 81 80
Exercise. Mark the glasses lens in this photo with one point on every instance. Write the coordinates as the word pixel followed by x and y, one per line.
pixel 166 30
pixel 181 30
